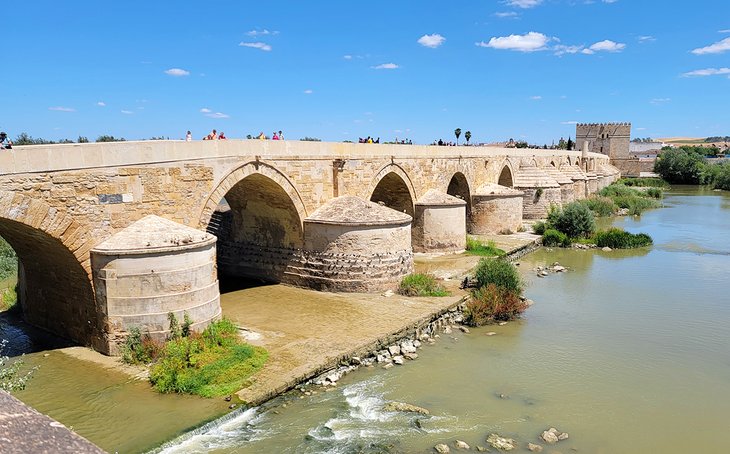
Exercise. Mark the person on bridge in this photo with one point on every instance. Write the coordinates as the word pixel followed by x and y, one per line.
pixel 189 137
pixel 222 136
pixel 5 143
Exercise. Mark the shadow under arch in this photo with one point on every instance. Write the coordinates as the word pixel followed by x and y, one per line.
pixel 55 291
pixel 394 189
pixel 259 229
pixel 506 178
pixel 459 187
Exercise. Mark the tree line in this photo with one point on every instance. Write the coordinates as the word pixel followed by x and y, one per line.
pixel 689 165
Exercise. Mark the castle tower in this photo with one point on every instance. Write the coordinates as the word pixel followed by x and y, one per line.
pixel 611 139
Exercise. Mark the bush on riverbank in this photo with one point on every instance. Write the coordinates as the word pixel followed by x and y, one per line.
pixel 499 272
pixel 493 303
pixel 635 201
pixel 619 239
pixel 420 284
pixel 488 249
pixel 644 182
pixel 214 363
pixel 600 206
pixel 554 238
pixel 574 219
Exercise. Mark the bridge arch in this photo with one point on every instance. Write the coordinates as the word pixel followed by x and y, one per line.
pixel 55 289
pixel 258 220
pixel 394 189
pixel 459 187
pixel 506 176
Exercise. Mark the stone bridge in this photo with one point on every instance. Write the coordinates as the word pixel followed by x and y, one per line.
pixel 116 235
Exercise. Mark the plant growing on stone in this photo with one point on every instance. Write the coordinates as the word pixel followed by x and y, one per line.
pixel 476 247
pixel 420 284
pixel 175 331
pixel 11 378
pixel 187 323
pixel 493 303
pixel 139 348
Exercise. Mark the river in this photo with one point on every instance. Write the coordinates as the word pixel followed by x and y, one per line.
pixel 627 352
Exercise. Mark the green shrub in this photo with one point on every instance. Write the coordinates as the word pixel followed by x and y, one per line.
pixel 11 378
pixel 635 205
pixel 600 206
pixel 214 363
pixel 619 190
pixel 419 284
pixel 539 227
pixel 476 247
pixel 492 303
pixel 139 349
pixel 553 238
pixel 619 239
pixel 654 192
pixel 644 182
pixel 175 331
pixel 574 220
pixel 499 272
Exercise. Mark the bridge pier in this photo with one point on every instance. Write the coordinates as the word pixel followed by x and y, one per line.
pixel 495 209
pixel 439 224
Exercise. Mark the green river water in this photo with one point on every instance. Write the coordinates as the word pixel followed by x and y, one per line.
pixel 628 352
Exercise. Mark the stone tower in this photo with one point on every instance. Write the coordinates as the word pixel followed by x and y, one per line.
pixel 611 139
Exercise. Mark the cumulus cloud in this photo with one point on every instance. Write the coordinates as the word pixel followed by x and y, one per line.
pixel 523 3
pixel 529 42
pixel 561 49
pixel 308 92
pixel 347 57
pixel 715 48
pixel 217 115
pixel 257 45
pixel 432 41
pixel 727 30
pixel 386 66
pixel 101 104
pixel 205 110
pixel 707 72
pixel 607 46
pixel 263 32
pixel 62 109
pixel 177 72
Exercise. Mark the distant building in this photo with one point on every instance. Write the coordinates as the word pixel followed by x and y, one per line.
pixel 614 140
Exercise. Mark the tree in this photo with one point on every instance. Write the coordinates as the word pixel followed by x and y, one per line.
pixel 457 133
pixel 570 143
pixel 467 136
pixel 680 166
pixel 106 138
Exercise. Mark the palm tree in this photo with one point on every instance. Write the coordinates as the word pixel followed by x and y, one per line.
pixel 457 133
pixel 467 136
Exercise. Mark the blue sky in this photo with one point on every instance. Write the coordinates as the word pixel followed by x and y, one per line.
pixel 527 69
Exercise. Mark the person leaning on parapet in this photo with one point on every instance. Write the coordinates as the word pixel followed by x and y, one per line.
pixel 5 143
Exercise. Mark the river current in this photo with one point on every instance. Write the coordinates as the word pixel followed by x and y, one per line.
pixel 628 352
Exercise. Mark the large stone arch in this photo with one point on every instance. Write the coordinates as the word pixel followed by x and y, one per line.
pixel 54 278
pixel 506 175
pixel 394 189
pixel 459 187
pixel 237 175
pixel 261 228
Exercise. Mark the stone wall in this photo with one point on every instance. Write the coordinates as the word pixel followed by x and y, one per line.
pixel 496 213
pixel 536 202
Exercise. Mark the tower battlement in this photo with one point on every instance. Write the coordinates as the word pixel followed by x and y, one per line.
pixel 611 139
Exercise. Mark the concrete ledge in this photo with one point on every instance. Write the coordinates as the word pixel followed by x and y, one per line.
pixel 24 430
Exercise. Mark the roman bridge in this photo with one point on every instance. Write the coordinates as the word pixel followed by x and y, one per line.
pixel 115 235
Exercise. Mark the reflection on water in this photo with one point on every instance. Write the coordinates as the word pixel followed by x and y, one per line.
pixel 627 352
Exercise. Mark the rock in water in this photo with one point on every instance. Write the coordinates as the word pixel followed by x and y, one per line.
pixel 534 448
pixel 553 435
pixel 407 408
pixel 461 445
pixel 442 448
pixel 606 249
pixel 498 442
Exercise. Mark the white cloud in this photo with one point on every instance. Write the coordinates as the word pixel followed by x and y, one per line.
pixel 708 72
pixel 536 98
pixel 257 45
pixel 263 32
pixel 529 42
pixel 217 115
pixel 561 49
pixel 727 30
pixel 610 1
pixel 646 39
pixel 62 109
pixel 523 3
pixel 101 104
pixel 607 46
pixel 507 14
pixel 386 66
pixel 347 57
pixel 715 48
pixel 177 72
pixel 205 110
pixel 641 129
pixel 127 112
pixel 432 41
pixel 568 122
pixel 308 92
pixel 660 100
